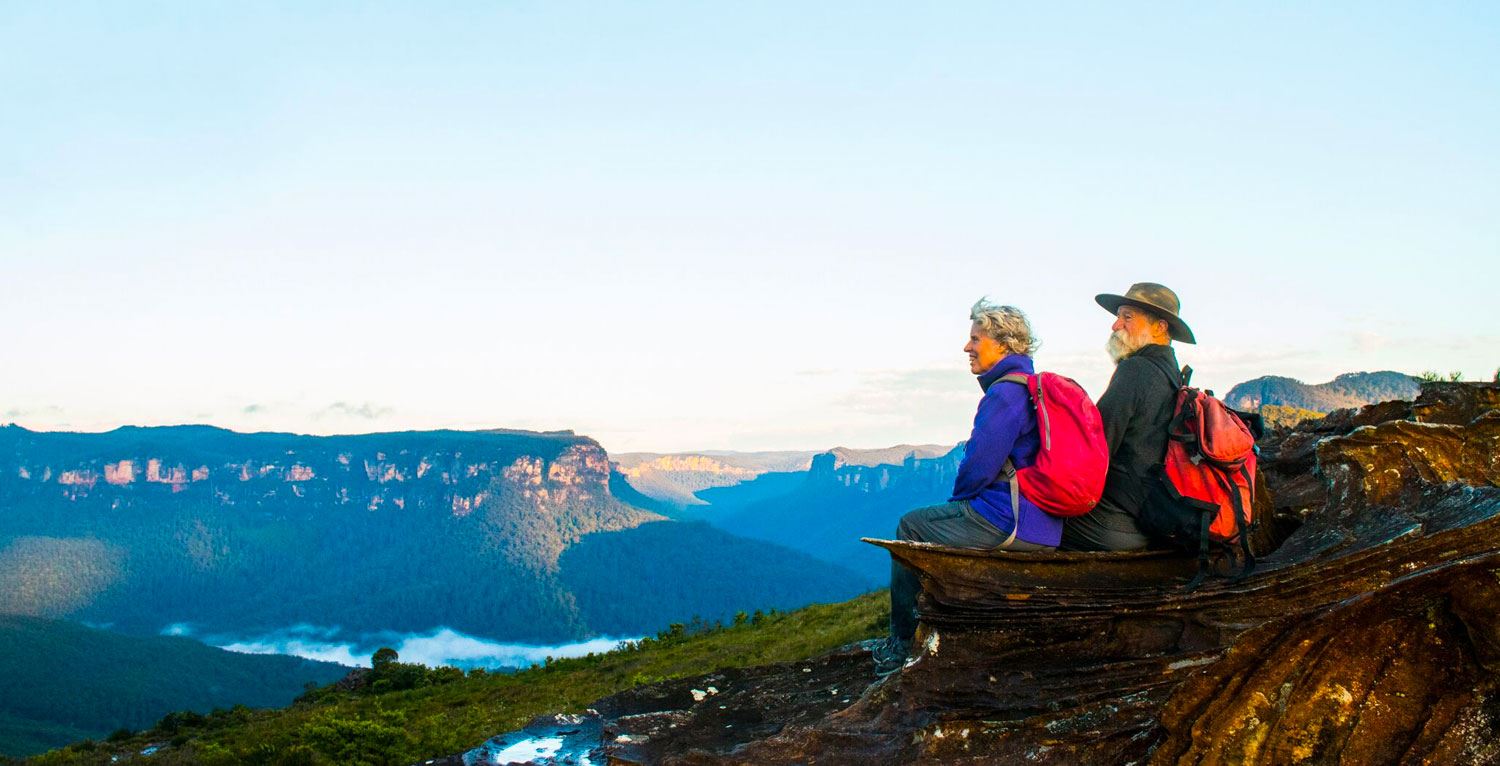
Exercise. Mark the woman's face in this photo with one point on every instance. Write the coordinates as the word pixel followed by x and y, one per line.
pixel 983 350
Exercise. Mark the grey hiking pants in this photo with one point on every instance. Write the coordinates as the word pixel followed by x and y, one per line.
pixel 955 524
pixel 1103 529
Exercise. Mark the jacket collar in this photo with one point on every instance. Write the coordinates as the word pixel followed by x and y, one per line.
pixel 1008 365
pixel 1158 350
pixel 1164 358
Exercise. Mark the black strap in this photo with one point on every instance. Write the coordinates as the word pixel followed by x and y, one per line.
pixel 1197 580
pixel 1241 523
pixel 1244 523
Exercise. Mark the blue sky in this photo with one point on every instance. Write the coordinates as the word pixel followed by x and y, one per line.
pixel 750 226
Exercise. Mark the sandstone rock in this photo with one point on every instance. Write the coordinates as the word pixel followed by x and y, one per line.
pixel 1455 403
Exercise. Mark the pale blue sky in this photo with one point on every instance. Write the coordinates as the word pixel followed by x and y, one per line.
pixel 688 226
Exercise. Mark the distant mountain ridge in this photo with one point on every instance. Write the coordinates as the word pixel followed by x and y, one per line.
pixel 244 533
pixel 1354 389
pixel 825 510
pixel 676 478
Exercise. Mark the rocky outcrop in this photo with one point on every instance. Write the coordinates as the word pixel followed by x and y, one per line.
pixel 1289 457
pixel 1369 635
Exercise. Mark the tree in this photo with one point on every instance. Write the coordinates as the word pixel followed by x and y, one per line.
pixel 382 657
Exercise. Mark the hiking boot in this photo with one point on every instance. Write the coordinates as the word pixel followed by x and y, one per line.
pixel 889 655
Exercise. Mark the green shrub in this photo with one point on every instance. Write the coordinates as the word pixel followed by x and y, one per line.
pixel 357 742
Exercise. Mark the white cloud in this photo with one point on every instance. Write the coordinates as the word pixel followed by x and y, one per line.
pixel 442 646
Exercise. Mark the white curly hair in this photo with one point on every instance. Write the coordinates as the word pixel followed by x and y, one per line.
pixel 1006 324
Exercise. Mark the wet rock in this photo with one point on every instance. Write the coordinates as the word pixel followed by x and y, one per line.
pixel 668 723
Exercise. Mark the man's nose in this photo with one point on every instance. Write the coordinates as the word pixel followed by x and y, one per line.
pixel 1118 325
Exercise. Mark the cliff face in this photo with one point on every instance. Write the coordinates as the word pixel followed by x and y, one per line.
pixel 148 526
pixel 825 511
pixel 676 478
pixel 450 469
pixel 1368 635
pixel 508 535
pixel 558 483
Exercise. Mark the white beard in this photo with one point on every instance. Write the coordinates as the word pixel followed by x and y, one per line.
pixel 1120 345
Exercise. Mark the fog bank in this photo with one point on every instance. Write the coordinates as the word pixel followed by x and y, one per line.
pixel 442 646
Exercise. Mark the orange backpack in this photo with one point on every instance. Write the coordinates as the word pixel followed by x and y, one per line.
pixel 1205 495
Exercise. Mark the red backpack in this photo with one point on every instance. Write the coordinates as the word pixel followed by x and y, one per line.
pixel 1067 478
pixel 1206 493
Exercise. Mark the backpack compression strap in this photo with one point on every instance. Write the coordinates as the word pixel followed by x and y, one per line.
pixel 1009 472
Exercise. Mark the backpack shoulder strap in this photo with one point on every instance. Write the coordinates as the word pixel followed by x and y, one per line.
pixel 1009 470
pixel 1161 364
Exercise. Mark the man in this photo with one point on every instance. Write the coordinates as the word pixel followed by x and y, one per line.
pixel 1136 410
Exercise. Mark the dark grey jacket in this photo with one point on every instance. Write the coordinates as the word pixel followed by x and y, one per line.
pixel 1136 409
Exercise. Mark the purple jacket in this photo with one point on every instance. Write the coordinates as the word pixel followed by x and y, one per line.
pixel 1004 427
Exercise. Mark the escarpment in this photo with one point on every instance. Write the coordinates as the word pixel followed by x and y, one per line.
pixel 1367 634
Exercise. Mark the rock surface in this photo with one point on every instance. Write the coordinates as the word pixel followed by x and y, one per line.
pixel 1367 636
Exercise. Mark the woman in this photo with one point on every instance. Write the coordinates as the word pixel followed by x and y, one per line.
pixel 979 513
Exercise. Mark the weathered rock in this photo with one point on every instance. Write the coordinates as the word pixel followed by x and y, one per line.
pixel 1369 636
pixel 1455 403
pixel 1289 458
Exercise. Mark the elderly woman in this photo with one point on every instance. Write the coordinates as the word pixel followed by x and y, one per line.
pixel 979 514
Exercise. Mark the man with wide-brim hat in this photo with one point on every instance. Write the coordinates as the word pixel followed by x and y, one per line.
pixel 1136 409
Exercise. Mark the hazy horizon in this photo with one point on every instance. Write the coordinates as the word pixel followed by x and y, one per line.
pixel 703 450
pixel 673 227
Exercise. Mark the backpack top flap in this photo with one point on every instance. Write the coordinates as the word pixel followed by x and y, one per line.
pixel 1222 436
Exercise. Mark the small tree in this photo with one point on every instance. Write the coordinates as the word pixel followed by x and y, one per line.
pixel 1455 376
pixel 383 657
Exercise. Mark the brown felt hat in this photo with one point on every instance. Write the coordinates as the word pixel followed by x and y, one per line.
pixel 1155 298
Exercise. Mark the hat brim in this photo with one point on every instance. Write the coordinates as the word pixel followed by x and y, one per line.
pixel 1176 328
